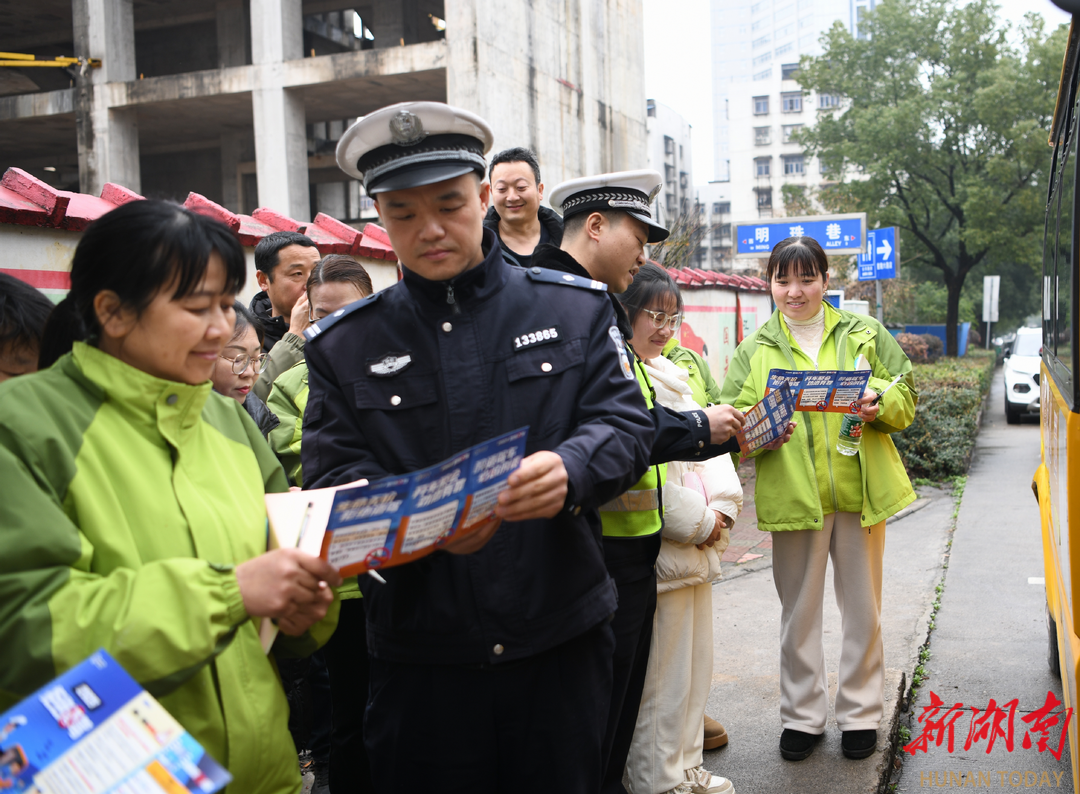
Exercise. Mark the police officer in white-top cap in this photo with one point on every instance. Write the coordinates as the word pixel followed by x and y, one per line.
pixel 607 222
pixel 499 644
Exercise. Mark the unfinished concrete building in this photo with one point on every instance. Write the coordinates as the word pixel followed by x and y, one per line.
pixel 243 100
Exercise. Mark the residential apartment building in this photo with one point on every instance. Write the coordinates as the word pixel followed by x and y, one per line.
pixel 668 136
pixel 758 105
pixel 714 212
pixel 243 101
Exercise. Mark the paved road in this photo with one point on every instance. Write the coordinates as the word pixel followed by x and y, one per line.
pixel 988 639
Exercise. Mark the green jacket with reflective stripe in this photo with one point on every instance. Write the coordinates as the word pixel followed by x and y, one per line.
pixel 127 502
pixel 624 521
pixel 807 478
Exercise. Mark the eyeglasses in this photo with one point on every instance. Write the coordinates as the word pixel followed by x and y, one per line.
pixel 240 363
pixel 660 319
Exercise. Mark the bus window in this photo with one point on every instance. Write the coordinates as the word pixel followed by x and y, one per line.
pixel 1061 295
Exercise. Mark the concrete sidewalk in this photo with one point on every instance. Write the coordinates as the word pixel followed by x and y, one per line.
pixel 746 693
pixel 990 639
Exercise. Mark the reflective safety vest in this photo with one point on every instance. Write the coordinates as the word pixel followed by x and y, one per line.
pixel 636 513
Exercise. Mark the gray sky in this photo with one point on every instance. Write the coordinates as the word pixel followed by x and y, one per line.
pixel 678 69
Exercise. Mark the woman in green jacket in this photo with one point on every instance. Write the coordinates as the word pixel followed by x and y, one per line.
pixel 820 504
pixel 133 516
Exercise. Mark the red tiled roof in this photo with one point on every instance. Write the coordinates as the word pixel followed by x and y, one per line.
pixel 27 201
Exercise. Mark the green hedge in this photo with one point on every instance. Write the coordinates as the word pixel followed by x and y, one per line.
pixel 939 441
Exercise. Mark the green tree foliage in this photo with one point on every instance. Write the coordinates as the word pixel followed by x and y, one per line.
pixel 943 133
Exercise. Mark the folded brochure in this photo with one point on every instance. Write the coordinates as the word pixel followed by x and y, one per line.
pixel 358 527
pixel 767 420
pixel 826 390
pixel 95 730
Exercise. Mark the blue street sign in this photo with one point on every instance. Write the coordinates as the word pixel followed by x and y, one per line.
pixel 879 261
pixel 837 234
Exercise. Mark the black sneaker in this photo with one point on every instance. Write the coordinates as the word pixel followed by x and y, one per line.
pixel 858 744
pixel 322 778
pixel 796 745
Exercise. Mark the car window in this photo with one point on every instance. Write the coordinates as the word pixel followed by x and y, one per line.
pixel 1027 344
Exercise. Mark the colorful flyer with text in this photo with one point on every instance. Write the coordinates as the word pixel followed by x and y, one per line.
pixel 825 390
pixel 95 730
pixel 398 519
pixel 767 420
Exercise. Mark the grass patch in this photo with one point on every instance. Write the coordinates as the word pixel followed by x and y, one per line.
pixel 937 445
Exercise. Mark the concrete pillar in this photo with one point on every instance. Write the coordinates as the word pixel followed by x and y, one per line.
pixel 108 139
pixel 277 31
pixel 280 119
pixel 232 32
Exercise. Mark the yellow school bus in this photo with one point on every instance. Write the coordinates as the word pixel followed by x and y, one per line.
pixel 1057 480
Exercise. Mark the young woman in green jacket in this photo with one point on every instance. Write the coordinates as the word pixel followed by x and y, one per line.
pixel 133 516
pixel 820 504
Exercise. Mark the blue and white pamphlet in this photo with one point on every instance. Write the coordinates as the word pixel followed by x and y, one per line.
pixel 365 526
pixel 95 730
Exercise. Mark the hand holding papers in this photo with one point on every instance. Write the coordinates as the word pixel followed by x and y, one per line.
pixel 767 422
pixel 394 520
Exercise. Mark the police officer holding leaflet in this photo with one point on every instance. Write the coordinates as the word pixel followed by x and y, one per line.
pixel 501 643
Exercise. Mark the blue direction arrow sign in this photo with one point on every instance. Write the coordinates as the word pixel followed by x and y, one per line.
pixel 879 261
pixel 837 234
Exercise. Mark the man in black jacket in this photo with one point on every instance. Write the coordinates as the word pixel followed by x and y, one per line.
pixel 283 262
pixel 502 640
pixel 515 215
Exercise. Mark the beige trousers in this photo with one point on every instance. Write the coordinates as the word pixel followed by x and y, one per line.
pixel 799 560
pixel 671 721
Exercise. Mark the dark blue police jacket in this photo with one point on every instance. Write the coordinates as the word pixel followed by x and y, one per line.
pixel 424 369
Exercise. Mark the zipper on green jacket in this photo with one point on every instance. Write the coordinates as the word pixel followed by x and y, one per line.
pixel 786 348
pixel 841 351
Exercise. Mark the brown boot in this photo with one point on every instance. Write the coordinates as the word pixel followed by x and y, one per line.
pixel 715 734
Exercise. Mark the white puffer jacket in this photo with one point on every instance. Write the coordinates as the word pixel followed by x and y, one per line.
pixel 688 517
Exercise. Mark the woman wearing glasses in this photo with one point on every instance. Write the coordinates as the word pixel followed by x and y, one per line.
pixel 238 366
pixel 701 501
pixel 133 516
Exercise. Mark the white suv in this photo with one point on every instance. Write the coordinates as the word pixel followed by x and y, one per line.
pixel 1022 375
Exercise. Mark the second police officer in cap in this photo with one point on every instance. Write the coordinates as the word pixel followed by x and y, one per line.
pixel 607 223
pixel 500 646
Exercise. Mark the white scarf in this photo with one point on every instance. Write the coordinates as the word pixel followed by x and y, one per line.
pixel 671 383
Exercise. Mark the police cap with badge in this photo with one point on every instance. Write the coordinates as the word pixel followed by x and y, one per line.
pixel 630 191
pixel 412 144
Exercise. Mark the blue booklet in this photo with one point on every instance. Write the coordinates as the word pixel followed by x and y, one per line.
pixel 95 730
pixel 826 390
pixel 365 526
pixel 768 420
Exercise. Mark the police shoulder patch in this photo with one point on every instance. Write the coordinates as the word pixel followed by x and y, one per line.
pixel 566 279
pixel 328 322
pixel 620 348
